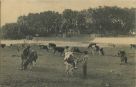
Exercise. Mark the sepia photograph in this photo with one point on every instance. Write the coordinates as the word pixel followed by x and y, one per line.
pixel 67 43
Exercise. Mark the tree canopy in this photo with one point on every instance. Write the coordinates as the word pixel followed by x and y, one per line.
pixel 102 20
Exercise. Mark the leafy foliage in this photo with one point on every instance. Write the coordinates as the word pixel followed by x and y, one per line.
pixel 102 20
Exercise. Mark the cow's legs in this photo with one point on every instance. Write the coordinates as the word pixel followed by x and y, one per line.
pixel 125 59
pixel 34 63
pixel 22 64
pixel 54 51
pixel 31 65
pixel 122 60
pixel 93 51
pixel 23 60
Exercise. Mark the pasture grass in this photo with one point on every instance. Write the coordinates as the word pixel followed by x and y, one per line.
pixel 103 71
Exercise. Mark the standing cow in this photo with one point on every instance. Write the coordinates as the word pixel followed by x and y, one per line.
pixel 91 45
pixel 102 51
pixel 52 45
pixel 122 55
pixel 44 47
pixel 59 50
pixel 28 57
pixel 132 46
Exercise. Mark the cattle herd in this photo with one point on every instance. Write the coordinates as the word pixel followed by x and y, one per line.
pixel 29 56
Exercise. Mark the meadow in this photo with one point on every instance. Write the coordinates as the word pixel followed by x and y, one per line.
pixel 102 71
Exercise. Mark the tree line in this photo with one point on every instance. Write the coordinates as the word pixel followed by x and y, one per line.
pixel 110 21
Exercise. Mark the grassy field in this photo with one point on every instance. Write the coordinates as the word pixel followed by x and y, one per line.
pixel 49 71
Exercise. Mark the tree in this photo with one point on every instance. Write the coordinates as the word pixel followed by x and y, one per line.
pixel 107 21
pixel 69 20
pixel 12 31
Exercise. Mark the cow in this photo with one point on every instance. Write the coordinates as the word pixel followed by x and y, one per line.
pixel 122 55
pixel 102 51
pixel 44 47
pixel 132 45
pixel 76 49
pixel 52 45
pixel 41 46
pixel 59 49
pixel 91 45
pixel 96 49
pixel 3 45
pixel 11 45
pixel 28 57
pixel 31 58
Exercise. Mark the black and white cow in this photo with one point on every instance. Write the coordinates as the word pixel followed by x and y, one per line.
pixel 59 50
pixel 132 45
pixel 28 57
pixel 76 49
pixel 3 45
pixel 44 47
pixel 52 45
pixel 91 45
pixel 122 55
pixel 102 51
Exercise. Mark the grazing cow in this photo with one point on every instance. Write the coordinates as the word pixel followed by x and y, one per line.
pixel 91 45
pixel 122 55
pixel 75 49
pixel 44 47
pixel 3 45
pixel 24 56
pixel 31 58
pixel 94 48
pixel 59 49
pixel 12 45
pixel 28 57
pixel 41 46
pixel 52 45
pixel 102 51
pixel 132 45
pixel 97 49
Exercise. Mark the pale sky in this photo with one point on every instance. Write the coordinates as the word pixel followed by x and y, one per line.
pixel 12 9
